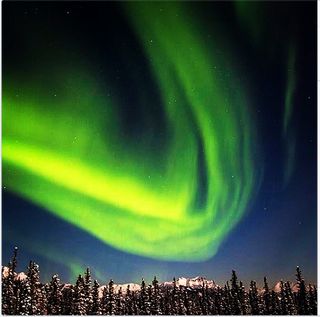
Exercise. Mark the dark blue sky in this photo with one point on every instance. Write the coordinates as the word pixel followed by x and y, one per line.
pixel 279 230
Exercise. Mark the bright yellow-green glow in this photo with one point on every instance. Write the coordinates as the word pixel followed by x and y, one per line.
pixel 68 153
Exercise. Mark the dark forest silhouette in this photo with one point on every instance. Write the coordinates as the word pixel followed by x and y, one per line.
pixel 28 296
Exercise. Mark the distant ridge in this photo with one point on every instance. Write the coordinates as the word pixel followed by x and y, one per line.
pixel 194 282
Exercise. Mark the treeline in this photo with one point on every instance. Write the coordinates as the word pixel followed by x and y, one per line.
pixel 28 296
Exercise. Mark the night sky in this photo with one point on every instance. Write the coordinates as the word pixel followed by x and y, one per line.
pixel 164 138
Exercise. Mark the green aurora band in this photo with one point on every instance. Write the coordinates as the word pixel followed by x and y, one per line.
pixel 57 153
pixel 288 132
pixel 253 17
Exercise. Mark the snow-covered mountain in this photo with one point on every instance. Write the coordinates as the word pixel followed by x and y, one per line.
pixel 5 271
pixel 194 282
pixel 191 282
pixel 294 287
pixel 132 286
pixel 21 276
pixel 18 276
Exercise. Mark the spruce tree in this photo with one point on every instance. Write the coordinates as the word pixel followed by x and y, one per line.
pixel 253 298
pixel 266 298
pixel 155 298
pixel 143 299
pixel 203 299
pixel 166 301
pixel 104 301
pixel 119 309
pixel 95 299
pixel 312 299
pixel 43 302
pixel 283 300
pixel 181 301
pixel 10 304
pixel 227 299
pixel 218 306
pixel 54 304
pixel 111 305
pixel 174 303
pixel 128 302
pixel 243 299
pixel 289 299
pixel 211 294
pixel 33 278
pixel 134 303
pixel 18 287
pixel 25 304
pixel 187 301
pixel 236 305
pixel 79 302
pixel 302 294
pixel 67 300
pixel 275 310
pixel 88 291
pixel 148 302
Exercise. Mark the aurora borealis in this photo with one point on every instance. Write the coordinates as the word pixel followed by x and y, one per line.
pixel 144 131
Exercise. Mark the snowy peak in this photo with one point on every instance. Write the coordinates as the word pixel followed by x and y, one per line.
pixel 200 281
pixel 5 271
pixel 123 287
pixel 21 276
pixel 191 282
pixel 196 282
pixel 17 276
pixel 294 287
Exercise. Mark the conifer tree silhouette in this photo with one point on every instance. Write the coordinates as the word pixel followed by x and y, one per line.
pixel 95 307
pixel 54 296
pixel 302 294
pixel 26 295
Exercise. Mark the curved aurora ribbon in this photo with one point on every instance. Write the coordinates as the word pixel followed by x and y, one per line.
pixel 68 153
pixel 254 18
pixel 288 132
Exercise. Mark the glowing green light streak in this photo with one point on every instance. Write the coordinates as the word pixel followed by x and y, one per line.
pixel 288 133
pixel 253 18
pixel 59 155
pixel 291 83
